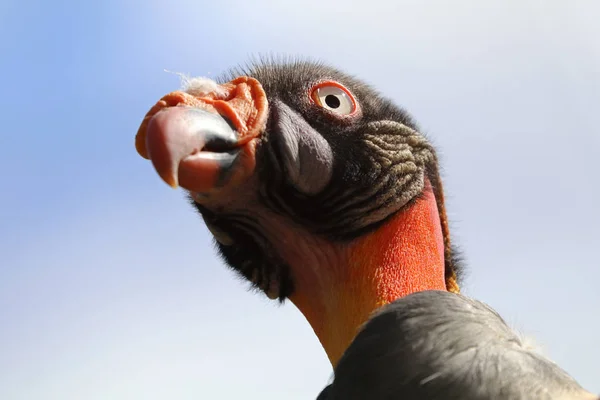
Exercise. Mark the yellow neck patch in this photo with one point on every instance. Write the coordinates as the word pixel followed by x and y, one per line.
pixel 404 256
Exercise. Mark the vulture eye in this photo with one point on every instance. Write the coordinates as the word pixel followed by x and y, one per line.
pixel 334 97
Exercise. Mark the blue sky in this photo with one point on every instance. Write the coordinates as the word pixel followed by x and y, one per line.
pixel 109 287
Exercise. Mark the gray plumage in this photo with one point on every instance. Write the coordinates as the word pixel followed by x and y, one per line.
pixel 440 345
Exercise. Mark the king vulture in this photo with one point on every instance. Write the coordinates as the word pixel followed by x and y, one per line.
pixel 319 190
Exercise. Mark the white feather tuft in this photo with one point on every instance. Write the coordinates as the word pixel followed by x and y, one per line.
pixel 199 85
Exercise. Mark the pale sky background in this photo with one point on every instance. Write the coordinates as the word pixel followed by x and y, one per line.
pixel 109 288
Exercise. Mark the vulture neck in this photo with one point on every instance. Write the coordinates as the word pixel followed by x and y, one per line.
pixel 337 294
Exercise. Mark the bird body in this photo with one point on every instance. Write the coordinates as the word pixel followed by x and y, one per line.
pixel 440 345
pixel 316 189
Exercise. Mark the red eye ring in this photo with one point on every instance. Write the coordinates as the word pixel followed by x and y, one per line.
pixel 313 95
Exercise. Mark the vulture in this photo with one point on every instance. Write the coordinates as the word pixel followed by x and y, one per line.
pixel 319 190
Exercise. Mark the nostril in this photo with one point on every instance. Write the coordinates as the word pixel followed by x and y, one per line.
pixel 221 144
pixel 217 144
pixel 217 130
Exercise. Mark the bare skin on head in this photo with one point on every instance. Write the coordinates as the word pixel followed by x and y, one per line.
pixel 340 216
pixel 316 189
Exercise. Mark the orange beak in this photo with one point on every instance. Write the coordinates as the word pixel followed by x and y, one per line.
pixel 201 142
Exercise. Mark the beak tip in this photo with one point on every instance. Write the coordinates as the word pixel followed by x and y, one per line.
pixel 170 178
pixel 172 182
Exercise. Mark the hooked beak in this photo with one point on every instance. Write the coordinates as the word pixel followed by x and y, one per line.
pixel 203 142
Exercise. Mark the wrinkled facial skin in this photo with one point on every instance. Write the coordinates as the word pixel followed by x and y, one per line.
pixel 317 174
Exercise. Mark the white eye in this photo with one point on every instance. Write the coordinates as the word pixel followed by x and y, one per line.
pixel 334 98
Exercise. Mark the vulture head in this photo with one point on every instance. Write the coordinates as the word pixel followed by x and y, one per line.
pixel 316 188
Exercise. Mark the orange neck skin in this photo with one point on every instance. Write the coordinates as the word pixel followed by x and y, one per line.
pixel 339 292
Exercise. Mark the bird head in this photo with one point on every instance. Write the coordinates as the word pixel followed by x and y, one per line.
pixel 316 188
